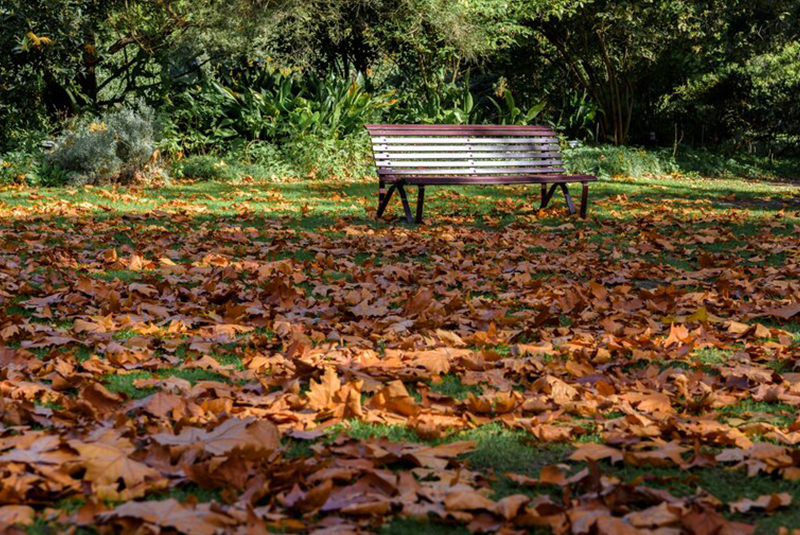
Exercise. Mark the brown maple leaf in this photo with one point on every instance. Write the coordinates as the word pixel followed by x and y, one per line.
pixel 247 434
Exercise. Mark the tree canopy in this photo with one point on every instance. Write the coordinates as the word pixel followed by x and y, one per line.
pixel 708 72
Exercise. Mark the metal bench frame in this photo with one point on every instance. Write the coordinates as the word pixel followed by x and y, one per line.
pixel 437 155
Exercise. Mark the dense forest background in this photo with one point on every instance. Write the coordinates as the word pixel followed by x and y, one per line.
pixel 91 89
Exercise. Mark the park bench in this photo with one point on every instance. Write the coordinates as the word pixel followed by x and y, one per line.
pixel 437 155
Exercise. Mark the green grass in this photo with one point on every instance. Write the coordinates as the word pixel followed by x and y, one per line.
pixel 189 491
pixel 123 382
pixel 395 433
pixel 711 356
pixel 230 360
pixel 500 450
pixel 297 449
pixel 125 334
pixel 193 375
pixel 792 327
pixel 749 410
pixel 41 526
pixel 410 526
pixel 451 385
pixel 123 275
pixel 723 483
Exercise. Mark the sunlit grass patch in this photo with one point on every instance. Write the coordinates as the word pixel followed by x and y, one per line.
pixel 124 382
pixel 501 450
pixel 193 375
pixel 792 327
pixel 230 360
pixel 123 275
pixel 125 334
pixel 711 356
pixel 750 410
pixel 395 433
pixel 451 385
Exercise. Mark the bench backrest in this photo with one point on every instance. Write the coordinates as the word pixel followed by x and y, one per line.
pixel 465 151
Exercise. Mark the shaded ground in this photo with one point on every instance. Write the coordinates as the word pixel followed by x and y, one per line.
pixel 267 357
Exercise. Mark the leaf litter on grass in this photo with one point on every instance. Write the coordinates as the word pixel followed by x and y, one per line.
pixel 657 354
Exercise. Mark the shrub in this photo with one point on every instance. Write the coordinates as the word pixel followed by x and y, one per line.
pixel 607 161
pixel 116 146
pixel 30 168
pixel 265 160
pixel 205 167
pixel 324 157
pixel 17 168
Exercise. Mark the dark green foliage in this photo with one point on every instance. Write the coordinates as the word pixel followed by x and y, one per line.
pixel 21 167
pixel 260 102
pixel 284 88
pixel 608 161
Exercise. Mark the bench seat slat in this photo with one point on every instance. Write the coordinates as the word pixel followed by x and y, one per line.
pixel 463 130
pixel 383 147
pixel 402 140
pixel 460 127
pixel 468 163
pixel 390 156
pixel 471 171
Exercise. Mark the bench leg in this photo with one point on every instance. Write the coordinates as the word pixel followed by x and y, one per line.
pixel 406 208
pixel 570 204
pixel 381 192
pixel 547 195
pixel 584 200
pixel 384 200
pixel 420 203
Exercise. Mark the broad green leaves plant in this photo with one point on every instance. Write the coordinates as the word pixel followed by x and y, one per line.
pixel 266 104
pixel 509 113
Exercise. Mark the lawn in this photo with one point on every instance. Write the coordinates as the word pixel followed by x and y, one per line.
pixel 211 357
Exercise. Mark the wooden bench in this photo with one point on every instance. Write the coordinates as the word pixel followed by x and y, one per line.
pixel 437 155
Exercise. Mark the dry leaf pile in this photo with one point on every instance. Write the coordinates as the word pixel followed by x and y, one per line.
pixel 240 339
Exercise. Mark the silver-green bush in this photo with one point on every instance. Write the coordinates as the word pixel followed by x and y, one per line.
pixel 116 146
